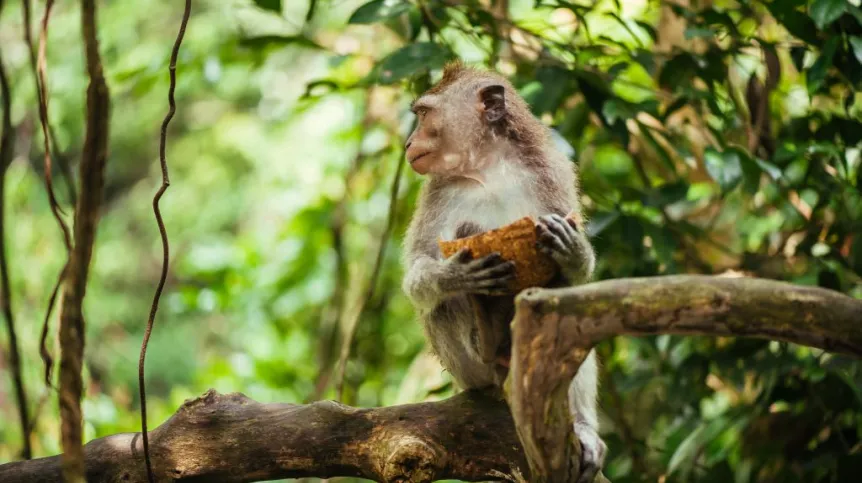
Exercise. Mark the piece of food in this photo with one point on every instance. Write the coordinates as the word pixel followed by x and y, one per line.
pixel 515 242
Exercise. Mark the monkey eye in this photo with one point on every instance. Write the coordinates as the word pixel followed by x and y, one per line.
pixel 420 110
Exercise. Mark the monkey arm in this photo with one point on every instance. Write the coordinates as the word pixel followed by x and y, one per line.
pixel 421 282
pixel 428 280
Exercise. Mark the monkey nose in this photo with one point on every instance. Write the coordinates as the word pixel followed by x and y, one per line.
pixel 409 142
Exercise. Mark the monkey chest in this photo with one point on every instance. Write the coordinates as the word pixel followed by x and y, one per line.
pixel 485 207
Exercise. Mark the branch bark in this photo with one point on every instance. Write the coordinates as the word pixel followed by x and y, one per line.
pixel 471 436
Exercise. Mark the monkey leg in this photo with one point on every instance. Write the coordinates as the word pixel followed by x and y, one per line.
pixel 488 338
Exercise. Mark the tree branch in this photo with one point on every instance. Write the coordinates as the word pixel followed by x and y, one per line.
pixel 471 436
pixel 562 325
pixel 230 438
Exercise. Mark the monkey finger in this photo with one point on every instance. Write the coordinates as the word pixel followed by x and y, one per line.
pixel 492 285
pixel 462 256
pixel 574 224
pixel 569 226
pixel 552 241
pixel 493 281
pixel 549 242
pixel 497 288
pixel 494 291
pixel 490 260
pixel 557 225
pixel 544 249
pixel 502 269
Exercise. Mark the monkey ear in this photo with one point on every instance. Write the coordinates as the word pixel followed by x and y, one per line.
pixel 493 102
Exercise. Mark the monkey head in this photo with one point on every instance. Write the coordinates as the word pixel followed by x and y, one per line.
pixel 466 119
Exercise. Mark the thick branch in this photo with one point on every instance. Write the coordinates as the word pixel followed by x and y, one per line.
pixel 702 305
pixel 562 325
pixel 230 438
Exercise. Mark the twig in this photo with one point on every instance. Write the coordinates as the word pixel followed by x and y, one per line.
pixel 172 69
pixel 7 147
pixel 375 273
pixel 43 338
pixel 40 67
pixel 61 160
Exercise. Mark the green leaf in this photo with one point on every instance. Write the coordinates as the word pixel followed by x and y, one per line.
pixel 751 171
pixel 796 22
pixel 617 110
pixel 552 84
pixel 724 167
pixel 595 90
pixel 824 12
pixel 715 17
pixel 665 244
pixel 378 10
pixel 658 148
pixel 856 45
pixel 685 455
pixel 265 41
pixel 271 5
pixel 646 59
pixel 575 121
pixel 601 220
pixel 772 170
pixel 698 32
pixel 409 60
pixel 667 194
pixel 817 73
pixel 678 71
pixel 613 163
pixel 797 54
pixel 653 33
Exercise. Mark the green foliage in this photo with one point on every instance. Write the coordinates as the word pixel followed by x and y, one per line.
pixel 287 136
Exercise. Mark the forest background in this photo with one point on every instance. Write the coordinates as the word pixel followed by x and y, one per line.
pixel 711 137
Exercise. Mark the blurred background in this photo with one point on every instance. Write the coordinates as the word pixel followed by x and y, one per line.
pixel 712 136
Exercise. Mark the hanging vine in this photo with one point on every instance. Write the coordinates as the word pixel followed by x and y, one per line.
pixel 7 148
pixel 92 173
pixel 172 69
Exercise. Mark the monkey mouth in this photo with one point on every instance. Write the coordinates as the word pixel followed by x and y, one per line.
pixel 417 158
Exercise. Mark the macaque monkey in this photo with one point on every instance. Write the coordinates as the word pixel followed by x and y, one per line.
pixel 490 162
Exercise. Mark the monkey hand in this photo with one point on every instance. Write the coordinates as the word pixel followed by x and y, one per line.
pixel 593 451
pixel 489 275
pixel 560 239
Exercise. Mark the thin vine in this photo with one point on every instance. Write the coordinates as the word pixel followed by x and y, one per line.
pixel 7 148
pixel 163 232
pixel 44 121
